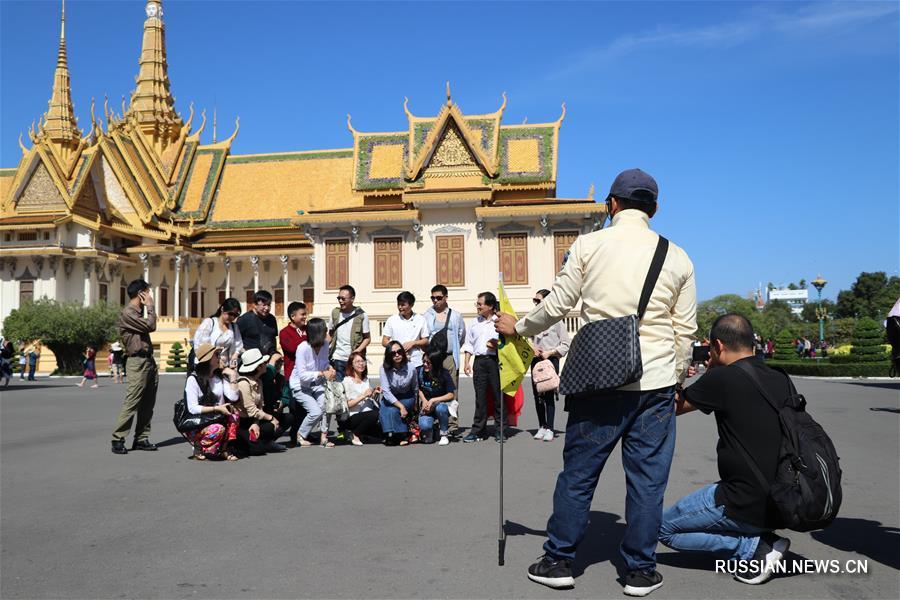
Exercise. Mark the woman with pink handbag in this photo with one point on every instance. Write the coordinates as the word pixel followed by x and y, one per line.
pixel 549 346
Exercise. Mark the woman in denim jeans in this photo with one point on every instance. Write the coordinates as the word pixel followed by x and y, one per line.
pixel 436 391
pixel 400 390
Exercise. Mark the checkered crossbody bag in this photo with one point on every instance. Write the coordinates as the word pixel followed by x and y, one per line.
pixel 606 354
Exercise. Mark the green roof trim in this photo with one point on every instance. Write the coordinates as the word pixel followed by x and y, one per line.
pixel 544 136
pixel 366 145
pixel 8 172
pixel 250 224
pixel 186 160
pixel 208 187
pixel 237 160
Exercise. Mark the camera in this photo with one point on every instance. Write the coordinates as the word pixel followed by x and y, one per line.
pixel 700 354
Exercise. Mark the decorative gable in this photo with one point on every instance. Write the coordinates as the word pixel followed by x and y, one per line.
pixel 452 157
pixel 40 193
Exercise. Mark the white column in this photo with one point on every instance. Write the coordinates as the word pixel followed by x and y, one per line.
pixel 284 277
pixel 88 265
pixel 145 260
pixel 187 286
pixel 227 262
pixel 176 304
pixel 254 264
pixel 201 307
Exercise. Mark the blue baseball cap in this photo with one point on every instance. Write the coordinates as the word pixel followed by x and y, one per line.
pixel 634 185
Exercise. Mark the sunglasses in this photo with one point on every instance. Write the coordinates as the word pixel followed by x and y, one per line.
pixel 397 352
pixel 341 299
pixel 234 314
pixel 437 298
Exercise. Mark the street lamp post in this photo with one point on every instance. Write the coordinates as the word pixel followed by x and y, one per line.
pixel 821 312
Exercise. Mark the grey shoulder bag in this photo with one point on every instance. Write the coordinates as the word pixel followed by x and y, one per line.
pixel 606 354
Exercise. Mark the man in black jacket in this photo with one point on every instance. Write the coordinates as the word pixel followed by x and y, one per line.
pixel 733 518
pixel 258 326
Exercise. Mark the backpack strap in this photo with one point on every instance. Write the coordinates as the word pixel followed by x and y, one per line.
pixel 449 314
pixel 659 257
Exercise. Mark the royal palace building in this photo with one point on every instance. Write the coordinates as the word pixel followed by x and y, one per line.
pixel 451 198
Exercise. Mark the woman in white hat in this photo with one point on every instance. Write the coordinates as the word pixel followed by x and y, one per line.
pixel 257 429
pixel 209 389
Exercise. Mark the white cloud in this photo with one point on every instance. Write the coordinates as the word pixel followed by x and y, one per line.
pixel 763 20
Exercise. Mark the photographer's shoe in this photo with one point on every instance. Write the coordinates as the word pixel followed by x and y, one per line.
pixel 144 445
pixel 555 573
pixel 770 551
pixel 641 583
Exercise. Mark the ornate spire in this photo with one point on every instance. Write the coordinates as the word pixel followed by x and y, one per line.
pixel 58 125
pixel 152 106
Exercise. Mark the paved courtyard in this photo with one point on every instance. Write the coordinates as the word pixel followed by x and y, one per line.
pixel 374 522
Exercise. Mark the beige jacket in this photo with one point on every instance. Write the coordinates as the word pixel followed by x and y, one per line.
pixel 606 271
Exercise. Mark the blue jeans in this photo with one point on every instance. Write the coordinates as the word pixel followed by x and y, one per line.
pixel 340 366
pixel 442 412
pixel 698 524
pixel 645 422
pixel 389 415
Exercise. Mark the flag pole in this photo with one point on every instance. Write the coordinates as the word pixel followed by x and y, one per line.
pixel 501 539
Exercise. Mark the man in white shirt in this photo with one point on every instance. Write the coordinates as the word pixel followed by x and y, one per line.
pixel 408 328
pixel 349 329
pixel 606 270
pixel 482 341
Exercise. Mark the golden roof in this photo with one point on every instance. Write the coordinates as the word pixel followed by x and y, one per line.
pixel 274 187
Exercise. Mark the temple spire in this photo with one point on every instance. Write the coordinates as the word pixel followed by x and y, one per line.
pixel 152 106
pixel 58 125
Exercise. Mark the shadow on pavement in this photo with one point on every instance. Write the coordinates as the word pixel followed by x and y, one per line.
pixel 12 387
pixel 890 409
pixel 888 385
pixel 601 542
pixel 171 442
pixel 863 536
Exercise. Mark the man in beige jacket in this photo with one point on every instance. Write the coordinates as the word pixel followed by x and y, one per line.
pixel 606 271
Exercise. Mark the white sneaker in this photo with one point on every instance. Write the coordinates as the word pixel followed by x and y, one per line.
pixel 540 434
pixel 445 441
pixel 548 435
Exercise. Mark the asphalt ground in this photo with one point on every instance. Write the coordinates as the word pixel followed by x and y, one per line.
pixel 77 521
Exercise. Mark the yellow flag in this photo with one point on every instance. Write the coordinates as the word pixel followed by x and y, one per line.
pixel 515 354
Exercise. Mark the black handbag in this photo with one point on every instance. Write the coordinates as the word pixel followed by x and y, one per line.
pixel 606 354
pixel 186 422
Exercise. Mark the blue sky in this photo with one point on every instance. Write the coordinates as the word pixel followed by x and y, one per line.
pixel 772 128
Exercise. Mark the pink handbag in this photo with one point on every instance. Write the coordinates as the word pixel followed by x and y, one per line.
pixel 545 377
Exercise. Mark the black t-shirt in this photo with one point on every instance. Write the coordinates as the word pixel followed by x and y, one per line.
pixel 743 417
pixel 257 332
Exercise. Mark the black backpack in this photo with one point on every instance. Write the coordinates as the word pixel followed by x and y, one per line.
pixel 439 341
pixel 807 487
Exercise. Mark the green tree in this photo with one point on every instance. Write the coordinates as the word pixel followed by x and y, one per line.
pixel 871 295
pixel 868 342
pixel 784 346
pixel 802 284
pixel 809 310
pixel 66 328
pixel 176 361
pixel 709 310
pixel 774 318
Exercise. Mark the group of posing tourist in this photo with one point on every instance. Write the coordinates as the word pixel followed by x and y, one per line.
pixel 256 384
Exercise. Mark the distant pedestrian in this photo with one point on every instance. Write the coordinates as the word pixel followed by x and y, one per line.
pixel 143 374
pixel 34 353
pixel 23 362
pixel 7 351
pixel 90 367
pixel 116 352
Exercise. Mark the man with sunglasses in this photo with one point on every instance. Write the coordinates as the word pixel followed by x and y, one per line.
pixel 349 330
pixel 441 318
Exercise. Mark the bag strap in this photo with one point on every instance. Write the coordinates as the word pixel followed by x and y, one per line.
pixel 659 257
pixel 447 324
pixel 748 458
pixel 355 314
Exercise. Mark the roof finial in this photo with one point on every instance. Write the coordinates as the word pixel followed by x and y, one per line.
pixel 563 115
pixel 237 127
pixel 215 123
pixel 449 100
pixel 503 105
pixel 62 27
pixel 59 123
pixel 202 123
pixel 409 115
pixel 21 145
pixel 350 126
pixel 591 191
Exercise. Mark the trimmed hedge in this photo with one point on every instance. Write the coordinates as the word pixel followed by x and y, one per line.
pixel 868 340
pixel 784 346
pixel 817 368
